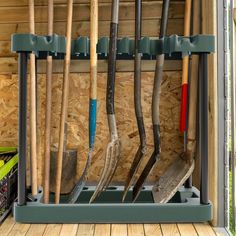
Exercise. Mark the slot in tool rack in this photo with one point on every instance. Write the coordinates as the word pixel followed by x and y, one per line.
pixel 188 204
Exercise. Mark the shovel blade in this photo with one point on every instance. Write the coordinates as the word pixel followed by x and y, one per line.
pixel 133 170
pixel 139 184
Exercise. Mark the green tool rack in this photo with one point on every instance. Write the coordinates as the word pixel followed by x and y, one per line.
pixel 188 204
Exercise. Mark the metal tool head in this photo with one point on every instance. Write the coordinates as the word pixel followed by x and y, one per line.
pixel 74 195
pixel 68 171
pixel 115 152
pixel 111 159
pixel 133 170
pixel 139 184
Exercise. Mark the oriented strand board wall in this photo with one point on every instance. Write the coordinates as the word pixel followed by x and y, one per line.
pixel 14 18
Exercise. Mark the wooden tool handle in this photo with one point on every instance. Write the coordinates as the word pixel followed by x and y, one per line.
pixel 48 110
pixel 93 48
pixel 93 71
pixel 33 98
pixel 183 114
pixel 64 105
pixel 192 114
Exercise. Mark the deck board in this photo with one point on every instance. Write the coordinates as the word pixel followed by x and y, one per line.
pixel 187 230
pixel 85 230
pixel 10 228
pixel 135 230
pixel 36 230
pixel 152 230
pixel 68 229
pixel 204 230
pixel 52 230
pixel 102 230
pixel 119 230
pixel 170 230
pixel 19 229
pixel 7 226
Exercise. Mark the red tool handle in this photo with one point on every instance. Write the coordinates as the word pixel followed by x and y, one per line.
pixel 184 99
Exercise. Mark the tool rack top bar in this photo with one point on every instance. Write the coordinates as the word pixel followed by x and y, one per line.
pixel 173 45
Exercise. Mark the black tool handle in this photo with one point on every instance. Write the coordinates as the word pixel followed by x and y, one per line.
pixel 158 79
pixel 137 74
pixel 22 128
pixel 112 58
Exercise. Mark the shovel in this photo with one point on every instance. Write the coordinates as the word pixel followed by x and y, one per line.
pixel 33 98
pixel 181 169
pixel 155 107
pixel 48 110
pixel 64 105
pixel 93 99
pixel 137 101
pixel 113 148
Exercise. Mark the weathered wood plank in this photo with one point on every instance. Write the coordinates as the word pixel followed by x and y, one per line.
pixel 36 230
pixel 85 230
pixel 69 229
pixel 102 230
pixel 187 230
pixel 82 28
pixel 10 65
pixel 152 230
pixel 7 226
pixel 135 230
pixel 170 230
pixel 57 2
pixel 151 10
pixel 52 230
pixel 119 230
pixel 19 229
pixel 209 26
pixel 204 229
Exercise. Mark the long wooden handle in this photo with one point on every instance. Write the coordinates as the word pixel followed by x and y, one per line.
pixel 93 71
pixel 183 114
pixel 48 109
pixel 192 114
pixel 64 105
pixel 33 99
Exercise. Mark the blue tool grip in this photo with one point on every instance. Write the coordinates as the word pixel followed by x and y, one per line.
pixel 92 121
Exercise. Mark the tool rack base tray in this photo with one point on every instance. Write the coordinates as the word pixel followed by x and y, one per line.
pixel 184 207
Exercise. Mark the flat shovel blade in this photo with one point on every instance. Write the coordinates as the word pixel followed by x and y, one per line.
pixel 174 177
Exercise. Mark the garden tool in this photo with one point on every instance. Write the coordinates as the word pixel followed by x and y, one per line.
pixel 93 98
pixel 48 109
pixel 185 65
pixel 33 111
pixel 181 169
pixel 137 101
pixel 113 149
pixel 64 105
pixel 155 107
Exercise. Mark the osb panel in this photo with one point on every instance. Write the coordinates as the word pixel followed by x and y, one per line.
pixel 78 119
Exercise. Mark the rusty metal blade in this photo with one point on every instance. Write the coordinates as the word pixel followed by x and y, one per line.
pixel 139 184
pixel 133 170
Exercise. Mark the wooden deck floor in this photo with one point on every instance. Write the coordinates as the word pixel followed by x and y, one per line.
pixel 10 228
